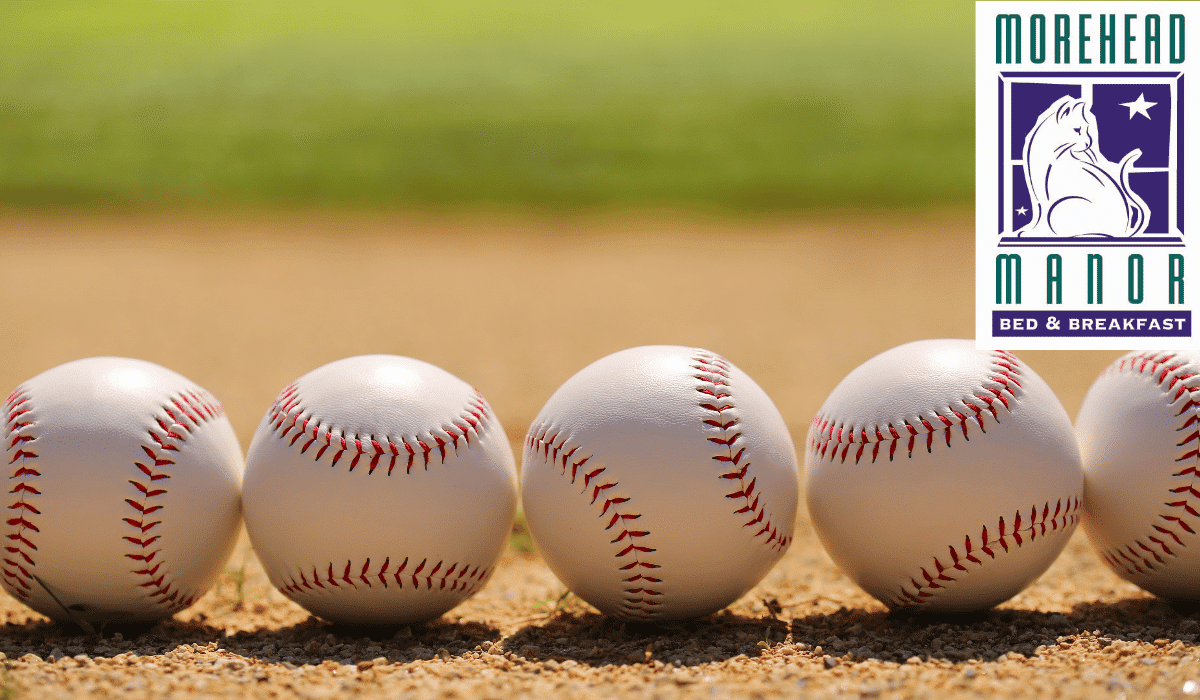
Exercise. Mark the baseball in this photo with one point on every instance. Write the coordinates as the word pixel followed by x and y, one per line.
pixel 943 478
pixel 123 491
pixel 1139 434
pixel 660 483
pixel 379 490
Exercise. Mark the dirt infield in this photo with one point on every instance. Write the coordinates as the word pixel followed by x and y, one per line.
pixel 515 307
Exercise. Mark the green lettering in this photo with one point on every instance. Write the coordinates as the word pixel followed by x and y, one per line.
pixel 1129 38
pixel 1083 39
pixel 1095 278
pixel 1108 39
pixel 1176 21
pixel 1037 38
pixel 1062 38
pixel 1054 278
pixel 1175 278
pixel 1152 43
pixel 1010 27
pixel 1136 265
pixel 1008 278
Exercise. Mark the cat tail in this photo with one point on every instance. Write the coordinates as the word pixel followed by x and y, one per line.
pixel 1137 210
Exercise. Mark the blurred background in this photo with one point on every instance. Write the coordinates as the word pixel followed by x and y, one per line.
pixel 760 106
pixel 243 191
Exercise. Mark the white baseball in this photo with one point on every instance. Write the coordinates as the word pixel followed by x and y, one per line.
pixel 1139 433
pixel 660 483
pixel 943 478
pixel 123 491
pixel 379 490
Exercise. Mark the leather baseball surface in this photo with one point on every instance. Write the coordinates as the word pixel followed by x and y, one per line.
pixel 123 491
pixel 1139 433
pixel 660 483
pixel 379 490
pixel 944 478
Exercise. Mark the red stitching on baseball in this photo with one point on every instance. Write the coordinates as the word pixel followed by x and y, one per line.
pixel 920 590
pixel 714 377
pixel 836 438
pixel 640 599
pixel 289 417
pixel 192 407
pixel 19 442
pixel 186 411
pixel 464 578
pixel 1147 553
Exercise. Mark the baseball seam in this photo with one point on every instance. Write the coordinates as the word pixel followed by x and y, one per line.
pixel 716 388
pixel 1146 554
pixel 639 599
pixel 940 574
pixel 19 442
pixel 288 416
pixel 468 580
pixel 829 435
pixel 185 412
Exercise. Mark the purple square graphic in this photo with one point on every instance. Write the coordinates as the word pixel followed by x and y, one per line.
pixel 1124 118
pixel 1122 133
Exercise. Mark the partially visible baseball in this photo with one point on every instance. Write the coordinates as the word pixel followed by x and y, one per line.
pixel 123 491
pixel 379 490
pixel 943 478
pixel 1139 432
pixel 660 483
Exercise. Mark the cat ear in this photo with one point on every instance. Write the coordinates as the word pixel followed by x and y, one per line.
pixel 1065 108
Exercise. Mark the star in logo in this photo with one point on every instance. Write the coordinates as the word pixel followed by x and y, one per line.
pixel 1022 211
pixel 1139 106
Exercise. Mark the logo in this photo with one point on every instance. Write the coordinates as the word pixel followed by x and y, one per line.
pixel 1081 161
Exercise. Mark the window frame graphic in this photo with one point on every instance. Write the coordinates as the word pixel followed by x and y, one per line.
pixel 1086 81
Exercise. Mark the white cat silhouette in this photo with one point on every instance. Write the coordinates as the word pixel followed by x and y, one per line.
pixel 1076 191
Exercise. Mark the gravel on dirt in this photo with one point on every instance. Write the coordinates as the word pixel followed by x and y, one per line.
pixel 806 630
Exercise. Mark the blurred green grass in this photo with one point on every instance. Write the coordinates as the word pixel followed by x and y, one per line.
pixel 754 106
